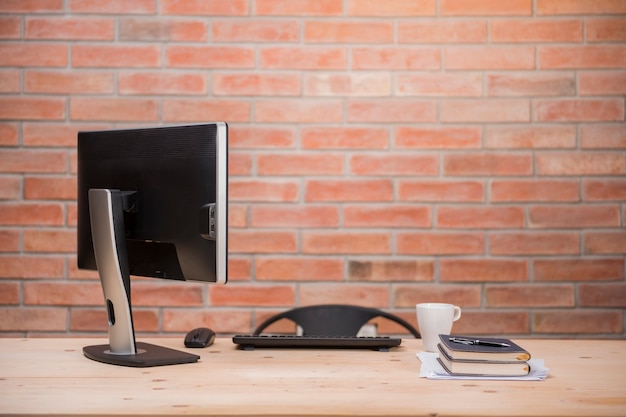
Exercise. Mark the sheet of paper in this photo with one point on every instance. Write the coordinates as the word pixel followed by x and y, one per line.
pixel 432 369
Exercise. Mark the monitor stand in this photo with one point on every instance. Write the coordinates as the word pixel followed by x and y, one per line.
pixel 106 210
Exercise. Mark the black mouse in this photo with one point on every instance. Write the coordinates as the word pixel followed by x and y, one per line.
pixel 199 338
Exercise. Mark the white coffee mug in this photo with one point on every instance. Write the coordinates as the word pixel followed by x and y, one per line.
pixel 435 319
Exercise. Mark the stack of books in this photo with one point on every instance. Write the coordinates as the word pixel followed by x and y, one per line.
pixel 472 356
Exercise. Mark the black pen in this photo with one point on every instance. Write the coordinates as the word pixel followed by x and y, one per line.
pixel 478 342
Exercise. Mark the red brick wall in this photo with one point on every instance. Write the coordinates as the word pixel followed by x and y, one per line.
pixel 383 153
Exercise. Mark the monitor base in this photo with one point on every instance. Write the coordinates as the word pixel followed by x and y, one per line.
pixel 147 355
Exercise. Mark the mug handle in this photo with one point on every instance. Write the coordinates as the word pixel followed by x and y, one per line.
pixel 457 313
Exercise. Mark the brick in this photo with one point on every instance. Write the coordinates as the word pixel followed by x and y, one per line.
pixel 536 30
pixel 482 110
pixel 55 135
pixel 50 241
pixel 323 137
pixel 391 111
pixel 31 267
pixel 483 270
pixel 442 31
pixel 580 163
pixel 580 7
pixel 337 32
pixel 10 187
pixel 440 243
pixel 10 27
pixel 396 58
pixel 300 164
pixel 394 165
pixel 531 137
pixel 239 269
pixel 485 7
pixel 201 110
pixel 205 7
pixel 298 269
pixel 32 108
pixel 148 294
pixel 349 84
pixel 605 242
pixel 237 216
pixel 74 82
pixel 209 57
pixel 8 134
pixel 240 164
pixel 371 295
pixel 490 57
pixel 534 244
pixel 237 84
pixel 488 164
pixel 579 322
pixel 604 190
pixel 248 30
pixel 62 293
pixel 33 319
pixel 63 28
pixel 299 111
pixel 391 271
pixel 562 216
pixel 113 7
pixel 263 191
pixel 496 323
pixel 602 295
pixel 260 137
pixel 605 30
pixel 113 109
pixel 293 216
pixel 334 243
pixel 10 81
pixel 229 321
pixel 606 83
pixel 441 191
pixel 408 295
pixel 531 84
pixel 387 216
pixel 603 136
pixel 401 8
pixel 579 269
pixel 530 295
pixel 9 293
pixel 588 56
pixel 242 295
pixel 159 30
pixel 534 190
pixel 90 320
pixel 349 190
pixel 10 241
pixel 298 7
pixel 262 241
pixel 471 217
pixel 32 6
pixel 32 161
pixel 34 54
pixel 439 85
pixel 580 110
pixel 437 138
pixel 309 58
pixel 116 56
pixel 158 83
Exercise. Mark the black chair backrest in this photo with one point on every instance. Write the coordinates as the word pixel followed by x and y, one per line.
pixel 334 319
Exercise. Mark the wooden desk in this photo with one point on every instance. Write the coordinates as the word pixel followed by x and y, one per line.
pixel 51 376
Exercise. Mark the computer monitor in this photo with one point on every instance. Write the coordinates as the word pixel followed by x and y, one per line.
pixel 152 202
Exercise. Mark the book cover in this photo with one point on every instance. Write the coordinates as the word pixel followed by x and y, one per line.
pixel 482 367
pixel 456 351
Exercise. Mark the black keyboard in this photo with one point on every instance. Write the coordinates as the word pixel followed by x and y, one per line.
pixel 249 342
